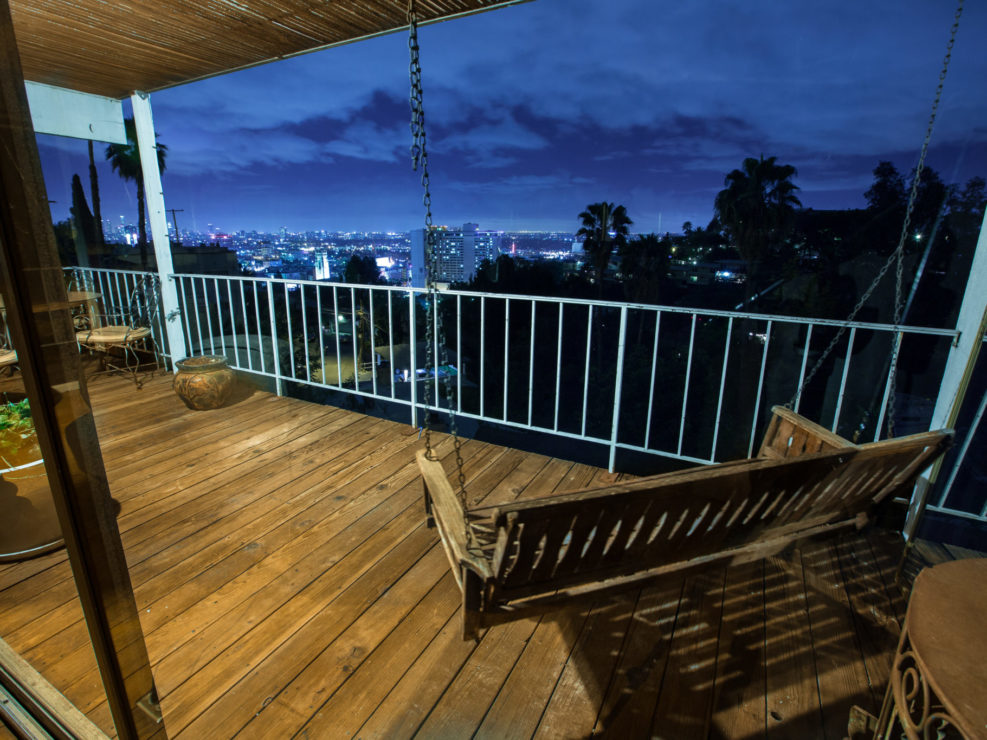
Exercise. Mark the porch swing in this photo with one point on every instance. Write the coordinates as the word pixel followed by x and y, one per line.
pixel 521 559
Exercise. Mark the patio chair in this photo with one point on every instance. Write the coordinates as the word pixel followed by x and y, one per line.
pixel 8 356
pixel 122 337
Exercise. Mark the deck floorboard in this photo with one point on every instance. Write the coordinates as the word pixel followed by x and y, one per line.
pixel 287 585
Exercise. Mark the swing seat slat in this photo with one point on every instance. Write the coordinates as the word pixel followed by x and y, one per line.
pixel 535 555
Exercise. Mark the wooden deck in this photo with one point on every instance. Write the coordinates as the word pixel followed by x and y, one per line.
pixel 287 586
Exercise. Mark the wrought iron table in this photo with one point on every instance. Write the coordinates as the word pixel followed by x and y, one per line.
pixel 938 685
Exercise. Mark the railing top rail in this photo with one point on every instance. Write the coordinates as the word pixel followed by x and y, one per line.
pixel 703 312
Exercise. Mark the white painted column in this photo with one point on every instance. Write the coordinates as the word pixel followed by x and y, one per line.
pixel 971 324
pixel 159 224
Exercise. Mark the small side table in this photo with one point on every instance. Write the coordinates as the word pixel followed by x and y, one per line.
pixel 938 686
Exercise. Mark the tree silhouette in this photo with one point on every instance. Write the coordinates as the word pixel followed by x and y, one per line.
pixel 83 225
pixel 756 208
pixel 604 229
pixel 125 160
pixel 643 266
pixel 362 269
pixel 94 189
pixel 887 194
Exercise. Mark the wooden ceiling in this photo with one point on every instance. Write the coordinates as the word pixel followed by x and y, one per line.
pixel 114 47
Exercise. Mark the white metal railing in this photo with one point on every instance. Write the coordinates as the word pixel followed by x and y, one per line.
pixel 695 385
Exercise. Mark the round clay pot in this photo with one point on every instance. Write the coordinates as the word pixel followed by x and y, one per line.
pixel 204 382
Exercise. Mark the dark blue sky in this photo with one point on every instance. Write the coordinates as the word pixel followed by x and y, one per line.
pixel 535 111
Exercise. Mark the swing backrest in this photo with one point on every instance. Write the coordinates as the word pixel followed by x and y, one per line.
pixel 710 513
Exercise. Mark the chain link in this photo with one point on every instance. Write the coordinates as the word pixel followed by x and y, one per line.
pixel 434 327
pixel 897 257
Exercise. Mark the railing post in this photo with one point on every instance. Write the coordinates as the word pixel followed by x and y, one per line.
pixel 616 390
pixel 971 324
pixel 413 351
pixel 159 225
pixel 275 349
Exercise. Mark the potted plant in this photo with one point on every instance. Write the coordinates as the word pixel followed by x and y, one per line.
pixel 30 525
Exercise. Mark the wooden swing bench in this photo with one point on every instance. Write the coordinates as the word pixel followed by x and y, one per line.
pixel 528 557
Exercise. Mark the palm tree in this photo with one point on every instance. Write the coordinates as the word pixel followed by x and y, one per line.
pixel 125 160
pixel 757 206
pixel 604 229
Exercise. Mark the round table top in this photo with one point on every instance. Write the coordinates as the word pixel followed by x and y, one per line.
pixel 947 627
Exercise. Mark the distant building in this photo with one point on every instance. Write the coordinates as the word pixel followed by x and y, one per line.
pixel 458 253
pixel 322 265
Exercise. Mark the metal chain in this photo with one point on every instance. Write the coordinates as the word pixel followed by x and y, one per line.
pixel 912 197
pixel 419 158
pixel 897 256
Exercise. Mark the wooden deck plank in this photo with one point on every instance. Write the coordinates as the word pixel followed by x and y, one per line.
pixel 684 706
pixel 286 583
pixel 639 637
pixel 406 705
pixel 224 708
pixel 792 701
pixel 841 676
pixel 363 688
pixel 869 610
pixel 304 694
pixel 740 696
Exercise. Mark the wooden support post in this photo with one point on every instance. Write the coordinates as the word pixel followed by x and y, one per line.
pixel 159 225
pixel 36 302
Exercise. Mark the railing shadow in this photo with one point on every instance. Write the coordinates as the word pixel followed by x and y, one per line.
pixel 742 652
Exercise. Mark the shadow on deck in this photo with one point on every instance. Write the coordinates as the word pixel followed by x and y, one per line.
pixel 287 585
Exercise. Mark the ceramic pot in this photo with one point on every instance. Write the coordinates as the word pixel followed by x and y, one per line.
pixel 204 382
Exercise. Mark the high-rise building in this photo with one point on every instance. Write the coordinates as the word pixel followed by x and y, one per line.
pixel 321 264
pixel 458 252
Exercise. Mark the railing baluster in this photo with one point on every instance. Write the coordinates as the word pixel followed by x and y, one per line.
pixel 589 346
pixel 236 345
pixel 390 342
pixel 846 371
pixel 760 388
pixel 434 370
pixel 373 344
pixel 483 348
pixel 322 343
pixel 805 359
pixel 198 317
pixel 205 301
pixel 188 318
pixel 651 385
pixel 618 383
pixel 291 333
pixel 413 347
pixel 356 332
pixel 335 329
pixel 723 380
pixel 974 425
pixel 685 388
pixel 558 369
pixel 887 386
pixel 246 325
pixel 459 354
pixel 260 334
pixel 274 337
pixel 507 349
pixel 308 358
pixel 531 362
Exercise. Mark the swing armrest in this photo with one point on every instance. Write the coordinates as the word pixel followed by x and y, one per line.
pixel 449 516
pixel 791 435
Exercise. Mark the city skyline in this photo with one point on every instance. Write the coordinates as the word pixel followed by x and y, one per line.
pixel 654 119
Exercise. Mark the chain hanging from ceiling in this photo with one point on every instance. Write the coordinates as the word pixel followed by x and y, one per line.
pixel 434 329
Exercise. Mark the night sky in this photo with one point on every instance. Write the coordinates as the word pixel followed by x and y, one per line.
pixel 534 111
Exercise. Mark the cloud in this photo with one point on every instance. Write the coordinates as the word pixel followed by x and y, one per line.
pixel 602 99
